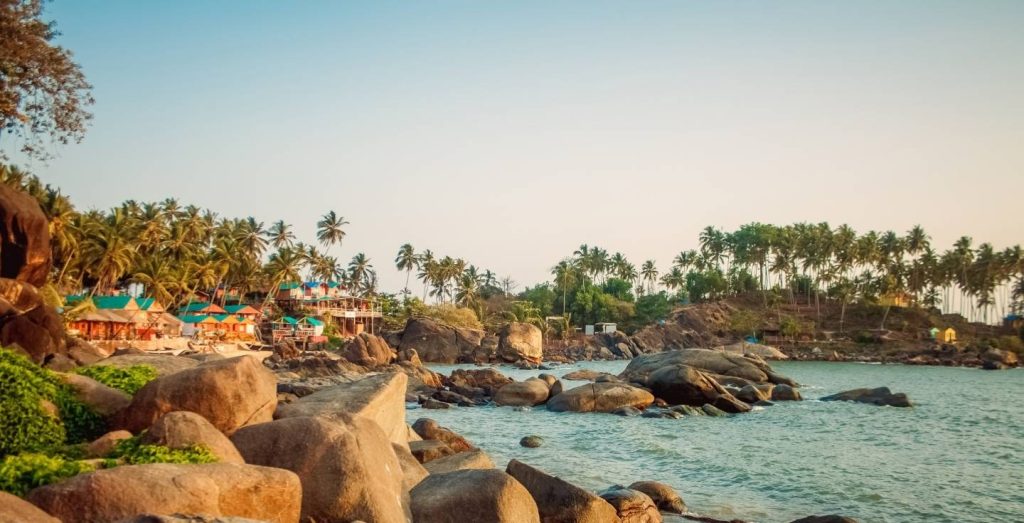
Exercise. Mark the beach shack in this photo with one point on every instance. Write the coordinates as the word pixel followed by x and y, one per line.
pixel 949 335
pixel 284 328
pixel 123 318
pixel 310 323
pixel 201 307
pixel 244 311
pixel 934 333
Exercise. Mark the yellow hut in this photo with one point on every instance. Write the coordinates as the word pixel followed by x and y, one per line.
pixel 949 335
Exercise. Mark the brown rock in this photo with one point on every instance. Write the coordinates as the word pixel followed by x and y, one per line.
pixel 429 429
pixel 27 322
pixel 229 393
pixel 412 470
pixel 785 393
pixel 368 350
pixel 347 466
pixel 471 459
pixel 16 510
pixel 600 397
pixel 103 400
pixel 527 393
pixel 558 500
pixel 179 430
pixel 480 496
pixel 665 497
pixel 632 506
pixel 428 450
pixel 106 443
pixel 489 380
pixel 521 341
pixel 379 398
pixel 24 238
pixel 215 489
pixel 438 343
pixel 83 352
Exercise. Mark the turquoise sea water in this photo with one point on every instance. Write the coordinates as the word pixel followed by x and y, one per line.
pixel 958 456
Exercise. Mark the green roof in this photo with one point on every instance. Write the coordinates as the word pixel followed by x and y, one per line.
pixel 195 306
pixel 235 308
pixel 313 321
pixel 288 286
pixel 145 303
pixel 289 319
pixel 223 317
pixel 111 302
pixel 193 318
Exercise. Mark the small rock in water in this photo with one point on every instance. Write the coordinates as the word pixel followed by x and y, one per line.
pixel 432 403
pixel 763 403
pixel 881 396
pixel 531 442
pixel 688 410
pixel 712 410
pixel 626 411
pixel 664 414
pixel 522 409
pixel 664 496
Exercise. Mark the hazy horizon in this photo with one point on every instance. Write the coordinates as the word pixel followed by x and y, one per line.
pixel 509 134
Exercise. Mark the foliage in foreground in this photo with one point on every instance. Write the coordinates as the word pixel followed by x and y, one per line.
pixel 128 380
pixel 24 472
pixel 133 452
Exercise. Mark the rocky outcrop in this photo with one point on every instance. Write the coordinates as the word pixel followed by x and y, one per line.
pixel 520 342
pixel 179 430
pixel 473 495
pixel 164 364
pixel 632 506
pixel 743 348
pixel 24 238
pixel 16 510
pixel 533 391
pixel 27 322
pixel 473 459
pixel 880 396
pixel 995 359
pixel 379 398
pixel 785 393
pixel 585 375
pixel 600 397
pixel 368 350
pixel 477 383
pixel 709 361
pixel 413 471
pixel 106 443
pixel 347 466
pixel 216 489
pixel 438 343
pixel 428 450
pixel 229 393
pixel 558 500
pixel 665 497
pixel 429 429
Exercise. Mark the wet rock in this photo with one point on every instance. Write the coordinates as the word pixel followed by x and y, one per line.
pixel 632 506
pixel 559 500
pixel 428 450
pixel 662 414
pixel 665 497
pixel 429 429
pixel 751 393
pixel 712 410
pixel 627 411
pixel 708 361
pixel 785 393
pixel 215 489
pixel 433 404
pixel 473 495
pixel 489 380
pixel 880 396
pixel 531 442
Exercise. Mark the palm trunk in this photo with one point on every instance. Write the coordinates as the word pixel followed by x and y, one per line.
pixel 884 316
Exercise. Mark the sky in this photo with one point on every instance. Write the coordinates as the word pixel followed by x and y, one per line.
pixel 509 133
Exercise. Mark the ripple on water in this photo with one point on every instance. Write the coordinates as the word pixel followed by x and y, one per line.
pixel 954 457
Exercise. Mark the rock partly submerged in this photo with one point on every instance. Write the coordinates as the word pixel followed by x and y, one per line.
pixel 600 397
pixel 880 396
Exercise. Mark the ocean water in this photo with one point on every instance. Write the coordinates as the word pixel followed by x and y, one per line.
pixel 957 456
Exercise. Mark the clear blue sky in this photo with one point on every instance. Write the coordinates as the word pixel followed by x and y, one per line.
pixel 508 133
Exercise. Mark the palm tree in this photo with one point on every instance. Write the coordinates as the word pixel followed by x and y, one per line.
pixel 565 275
pixel 649 274
pixel 407 260
pixel 426 266
pixel 360 272
pixel 281 235
pixel 330 229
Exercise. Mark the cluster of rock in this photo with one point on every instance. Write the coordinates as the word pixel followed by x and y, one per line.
pixel 439 343
pixel 944 355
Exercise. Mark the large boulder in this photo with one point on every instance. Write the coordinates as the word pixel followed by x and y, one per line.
pixel 880 396
pixel 229 393
pixel 429 429
pixel 216 489
pixel 16 510
pixel 180 429
pixel 600 397
pixel 439 343
pixel 683 385
pixel 785 393
pixel 664 496
pixel 106 443
pixel 533 391
pixel 413 471
pixel 1001 357
pixel 743 348
pixel 480 496
pixel 27 322
pixel 101 399
pixel 487 380
pixel 379 398
pixel 558 500
pixel 421 379
pixel 25 253
pixel 164 364
pixel 472 459
pixel 368 350
pixel 521 341
pixel 709 361
pixel 347 466
pixel 632 506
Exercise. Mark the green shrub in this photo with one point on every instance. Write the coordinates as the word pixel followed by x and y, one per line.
pixel 1012 344
pixel 24 472
pixel 129 379
pixel 133 452
pixel 25 426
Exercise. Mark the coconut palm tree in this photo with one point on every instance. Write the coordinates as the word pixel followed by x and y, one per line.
pixel 360 272
pixel 281 235
pixel 649 274
pixel 565 276
pixel 330 229
pixel 407 260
